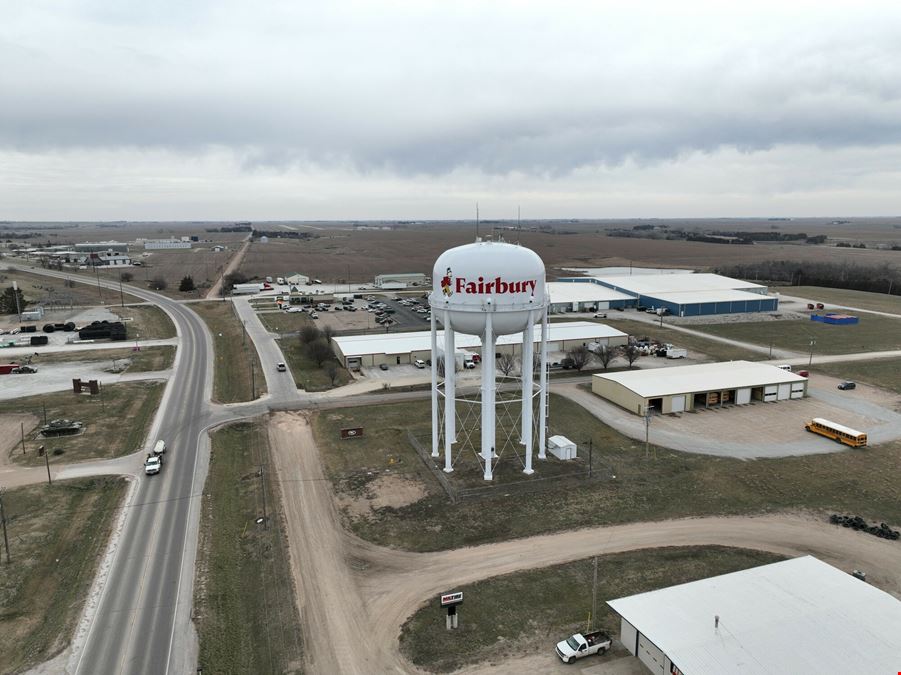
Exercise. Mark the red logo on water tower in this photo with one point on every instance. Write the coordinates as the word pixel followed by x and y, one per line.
pixel 446 282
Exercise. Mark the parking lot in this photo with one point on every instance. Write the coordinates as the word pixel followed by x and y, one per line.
pixel 363 318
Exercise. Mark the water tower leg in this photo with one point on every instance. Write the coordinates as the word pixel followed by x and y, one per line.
pixel 488 410
pixel 434 375
pixel 450 392
pixel 542 392
pixel 528 335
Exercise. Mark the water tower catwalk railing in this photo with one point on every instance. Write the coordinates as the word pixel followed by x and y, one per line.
pixel 446 402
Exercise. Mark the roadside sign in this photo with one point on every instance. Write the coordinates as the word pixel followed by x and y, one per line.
pixel 352 432
pixel 452 599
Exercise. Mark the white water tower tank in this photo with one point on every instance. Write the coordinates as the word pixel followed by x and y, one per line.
pixel 488 276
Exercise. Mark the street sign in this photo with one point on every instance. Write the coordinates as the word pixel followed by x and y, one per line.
pixel 449 599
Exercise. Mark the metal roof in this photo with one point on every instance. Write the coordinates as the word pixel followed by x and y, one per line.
pixel 421 341
pixel 702 377
pixel 717 295
pixel 795 616
pixel 573 291
pixel 651 284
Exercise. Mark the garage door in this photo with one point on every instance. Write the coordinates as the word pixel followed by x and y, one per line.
pixel 785 391
pixel 743 396
pixel 650 656
pixel 678 404
pixel 769 392
pixel 603 305
pixel 797 390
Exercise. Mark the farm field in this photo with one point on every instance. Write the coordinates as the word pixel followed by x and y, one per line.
pixel 499 615
pixel 849 482
pixel 876 302
pixel 104 435
pixel 54 293
pixel 342 255
pixel 873 333
pixel 57 536
pixel 244 606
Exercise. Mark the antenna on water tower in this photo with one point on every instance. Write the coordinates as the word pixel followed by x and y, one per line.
pixel 477 221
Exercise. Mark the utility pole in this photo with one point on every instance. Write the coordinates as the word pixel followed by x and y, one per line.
pixel 22 425
pixel 253 386
pixel 263 488
pixel 19 305
pixel 100 390
pixel 810 360
pixel 47 463
pixel 771 349
pixel 44 406
pixel 647 430
pixel 589 457
pixel 121 295
pixel 594 594
pixel 97 275
pixel 3 520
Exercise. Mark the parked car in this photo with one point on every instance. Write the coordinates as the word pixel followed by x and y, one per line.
pixel 419 363
pixel 24 370
pixel 314 315
pixel 847 385
pixel 600 315
pixel 281 367
pixel 383 366
pixel 820 305
pixel 803 373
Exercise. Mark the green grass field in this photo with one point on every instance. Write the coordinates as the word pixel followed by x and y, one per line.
pixel 499 618
pixel 860 482
pixel 877 302
pixel 873 333
pixel 57 535
pixel 244 603
pixel 238 375
pixel 884 373
pixel 104 436
pixel 693 343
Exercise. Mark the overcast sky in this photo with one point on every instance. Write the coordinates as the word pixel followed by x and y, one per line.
pixel 217 109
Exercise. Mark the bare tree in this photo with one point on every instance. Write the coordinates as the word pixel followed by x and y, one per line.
pixel 309 333
pixel 631 354
pixel 319 351
pixel 581 356
pixel 332 372
pixel 126 277
pixel 158 283
pixel 506 363
pixel 605 355
pixel 328 332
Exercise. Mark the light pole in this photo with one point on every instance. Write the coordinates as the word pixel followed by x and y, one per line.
pixel 97 276
pixel 810 360
pixel 647 430
pixel 18 304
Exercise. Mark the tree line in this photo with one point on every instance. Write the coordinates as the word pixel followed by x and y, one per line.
pixel 882 278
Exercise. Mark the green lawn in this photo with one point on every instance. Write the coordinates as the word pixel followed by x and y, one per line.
pixel 498 614
pixel 57 535
pixel 238 375
pixel 885 373
pixel 859 482
pixel 104 435
pixel 147 321
pixel 873 333
pixel 878 302
pixel 244 603
pixel 693 343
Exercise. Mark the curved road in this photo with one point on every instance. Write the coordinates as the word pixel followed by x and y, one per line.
pixel 142 621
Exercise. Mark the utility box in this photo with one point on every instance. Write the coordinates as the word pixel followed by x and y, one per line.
pixel 561 447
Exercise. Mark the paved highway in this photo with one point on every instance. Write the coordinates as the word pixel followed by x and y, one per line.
pixel 142 623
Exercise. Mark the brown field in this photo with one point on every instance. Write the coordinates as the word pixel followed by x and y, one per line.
pixel 74 233
pixel 339 255
pixel 51 292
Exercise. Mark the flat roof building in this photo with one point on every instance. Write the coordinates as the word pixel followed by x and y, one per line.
pixel 684 388
pixel 400 281
pixel 570 297
pixel 795 616
pixel 689 294
pixel 399 348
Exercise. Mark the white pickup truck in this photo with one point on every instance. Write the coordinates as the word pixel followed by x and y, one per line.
pixel 579 645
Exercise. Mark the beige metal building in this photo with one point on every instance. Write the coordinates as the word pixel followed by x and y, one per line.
pixel 684 388
pixel 355 351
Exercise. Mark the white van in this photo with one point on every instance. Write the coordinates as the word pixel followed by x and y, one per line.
pixel 419 363
pixel 785 366
pixel 159 448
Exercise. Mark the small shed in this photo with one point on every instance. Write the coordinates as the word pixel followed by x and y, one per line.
pixel 561 447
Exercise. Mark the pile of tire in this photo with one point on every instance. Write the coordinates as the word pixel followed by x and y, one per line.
pixel 882 530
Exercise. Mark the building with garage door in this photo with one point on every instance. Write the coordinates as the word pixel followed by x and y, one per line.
pixel 707 385
pixel 688 294
pixel 567 297
pixel 793 617
pixel 356 351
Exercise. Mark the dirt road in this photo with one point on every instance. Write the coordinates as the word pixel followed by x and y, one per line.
pixel 213 293
pixel 352 592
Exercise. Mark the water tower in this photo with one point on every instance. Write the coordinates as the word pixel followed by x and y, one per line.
pixel 488 289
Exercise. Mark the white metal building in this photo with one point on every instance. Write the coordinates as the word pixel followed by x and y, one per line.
pixel 400 348
pixel 683 388
pixel 584 297
pixel 792 617
pixel 298 280
pixel 406 278
pixel 162 244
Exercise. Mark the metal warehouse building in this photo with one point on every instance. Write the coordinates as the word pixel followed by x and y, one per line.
pixel 398 281
pixel 796 616
pixel 400 348
pixel 689 294
pixel 568 297
pixel 683 388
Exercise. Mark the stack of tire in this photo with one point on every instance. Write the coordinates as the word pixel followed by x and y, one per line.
pixel 50 327
pixel 102 330
pixel 882 531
